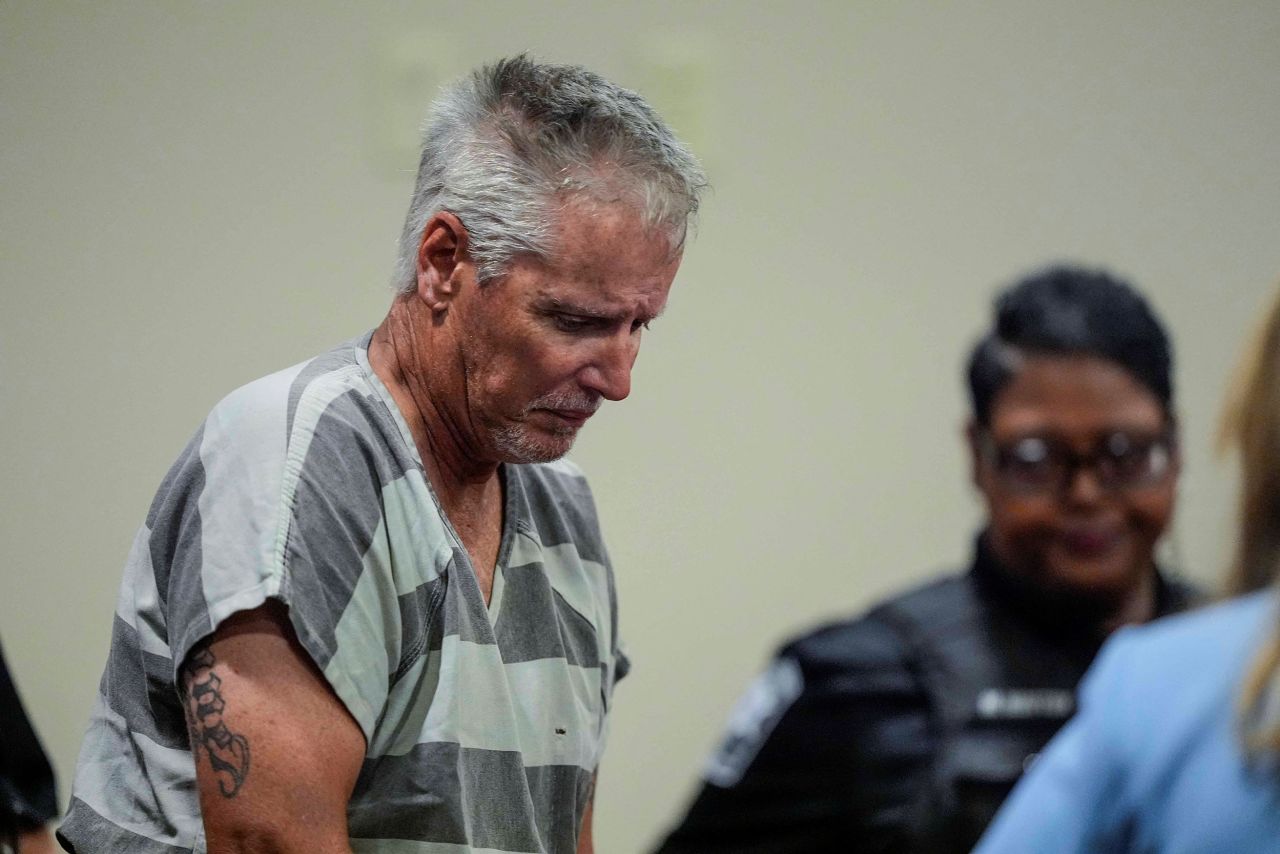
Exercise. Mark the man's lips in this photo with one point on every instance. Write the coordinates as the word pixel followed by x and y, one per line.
pixel 576 417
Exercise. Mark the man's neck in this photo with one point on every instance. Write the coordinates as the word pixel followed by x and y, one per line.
pixel 401 354
pixel 467 486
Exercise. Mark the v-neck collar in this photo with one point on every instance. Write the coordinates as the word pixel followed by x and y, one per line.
pixel 509 479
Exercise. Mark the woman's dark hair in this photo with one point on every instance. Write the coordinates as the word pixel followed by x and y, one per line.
pixel 1068 310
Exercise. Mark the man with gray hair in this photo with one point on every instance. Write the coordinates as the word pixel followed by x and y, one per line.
pixel 370 608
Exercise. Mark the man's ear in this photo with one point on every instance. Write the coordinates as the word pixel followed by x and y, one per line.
pixel 443 260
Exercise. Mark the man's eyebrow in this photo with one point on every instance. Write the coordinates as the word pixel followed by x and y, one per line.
pixel 559 304
pixel 551 303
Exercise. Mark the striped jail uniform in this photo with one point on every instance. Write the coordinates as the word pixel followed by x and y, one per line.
pixel 483 724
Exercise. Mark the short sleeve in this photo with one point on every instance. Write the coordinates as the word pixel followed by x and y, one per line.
pixel 281 495
pixel 214 522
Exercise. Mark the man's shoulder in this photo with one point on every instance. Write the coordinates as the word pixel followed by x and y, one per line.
pixel 272 400
pixel 320 422
pixel 270 403
pixel 877 638
pixel 319 412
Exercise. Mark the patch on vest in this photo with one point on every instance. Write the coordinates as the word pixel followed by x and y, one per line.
pixel 1025 703
pixel 753 719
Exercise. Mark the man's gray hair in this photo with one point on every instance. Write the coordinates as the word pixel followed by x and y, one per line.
pixel 507 144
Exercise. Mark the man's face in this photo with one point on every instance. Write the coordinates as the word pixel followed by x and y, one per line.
pixel 543 345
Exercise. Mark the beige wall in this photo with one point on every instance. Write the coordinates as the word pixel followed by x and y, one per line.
pixel 197 194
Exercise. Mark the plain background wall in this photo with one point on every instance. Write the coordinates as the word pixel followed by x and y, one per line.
pixel 197 194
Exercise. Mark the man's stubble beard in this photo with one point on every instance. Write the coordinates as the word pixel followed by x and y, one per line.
pixel 517 443
pixel 524 443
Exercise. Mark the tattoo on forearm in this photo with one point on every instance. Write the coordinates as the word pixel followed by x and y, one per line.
pixel 228 752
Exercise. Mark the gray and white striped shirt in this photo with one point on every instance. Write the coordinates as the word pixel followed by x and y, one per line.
pixel 484 724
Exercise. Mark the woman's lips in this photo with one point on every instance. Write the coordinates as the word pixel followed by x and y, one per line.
pixel 1088 542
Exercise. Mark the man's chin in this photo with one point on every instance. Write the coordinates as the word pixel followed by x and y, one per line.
pixel 527 446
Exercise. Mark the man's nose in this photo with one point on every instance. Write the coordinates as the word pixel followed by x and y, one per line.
pixel 609 372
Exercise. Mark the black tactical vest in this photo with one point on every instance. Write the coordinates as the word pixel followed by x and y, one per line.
pixel 1001 680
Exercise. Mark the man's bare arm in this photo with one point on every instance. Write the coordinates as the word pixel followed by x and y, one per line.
pixel 277 754
pixel 38 841
pixel 586 842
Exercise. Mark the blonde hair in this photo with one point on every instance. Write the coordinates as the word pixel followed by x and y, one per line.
pixel 1251 425
pixel 1260 701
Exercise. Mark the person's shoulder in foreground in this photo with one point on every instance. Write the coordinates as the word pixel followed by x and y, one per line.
pixel 1161 699
pixel 371 606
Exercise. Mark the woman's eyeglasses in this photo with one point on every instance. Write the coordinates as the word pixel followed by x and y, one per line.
pixel 1046 464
